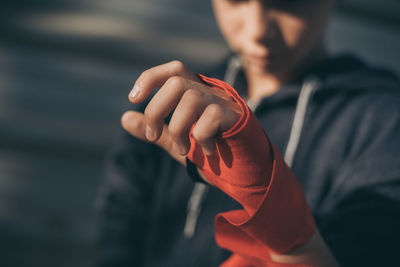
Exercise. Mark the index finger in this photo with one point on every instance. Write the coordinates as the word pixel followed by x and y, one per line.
pixel 156 77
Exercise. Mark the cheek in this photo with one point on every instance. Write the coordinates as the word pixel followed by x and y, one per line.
pixel 232 34
pixel 304 28
pixel 230 24
pixel 293 30
pixel 301 34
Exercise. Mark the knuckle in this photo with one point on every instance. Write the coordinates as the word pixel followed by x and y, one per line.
pixel 150 115
pixel 136 127
pixel 178 66
pixel 135 124
pixel 199 136
pixel 176 133
pixel 214 112
pixel 126 121
pixel 176 82
pixel 146 74
pixel 192 95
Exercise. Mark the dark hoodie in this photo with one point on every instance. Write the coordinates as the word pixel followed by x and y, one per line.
pixel 341 137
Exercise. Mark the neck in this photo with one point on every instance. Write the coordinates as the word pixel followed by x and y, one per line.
pixel 262 84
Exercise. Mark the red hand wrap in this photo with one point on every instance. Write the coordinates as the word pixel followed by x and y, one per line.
pixel 247 167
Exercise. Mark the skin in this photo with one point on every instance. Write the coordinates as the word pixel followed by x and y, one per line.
pixel 277 41
pixel 189 100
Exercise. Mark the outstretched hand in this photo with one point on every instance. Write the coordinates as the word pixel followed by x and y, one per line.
pixel 190 102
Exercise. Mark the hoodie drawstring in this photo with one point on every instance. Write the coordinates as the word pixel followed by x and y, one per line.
pixel 306 92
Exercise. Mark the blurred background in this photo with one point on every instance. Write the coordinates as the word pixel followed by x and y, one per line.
pixel 66 68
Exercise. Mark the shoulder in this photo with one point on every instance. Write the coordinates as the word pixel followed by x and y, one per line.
pixel 357 114
pixel 359 91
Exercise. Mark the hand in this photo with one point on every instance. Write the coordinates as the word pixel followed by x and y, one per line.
pixel 190 102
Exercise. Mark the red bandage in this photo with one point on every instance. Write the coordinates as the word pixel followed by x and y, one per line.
pixel 247 167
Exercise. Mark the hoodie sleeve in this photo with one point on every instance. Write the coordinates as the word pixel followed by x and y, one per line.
pixel 247 167
pixel 360 216
pixel 123 203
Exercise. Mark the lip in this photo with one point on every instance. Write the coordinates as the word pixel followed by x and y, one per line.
pixel 260 59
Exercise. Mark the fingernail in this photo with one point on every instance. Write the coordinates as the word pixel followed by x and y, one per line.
pixel 135 91
pixel 150 134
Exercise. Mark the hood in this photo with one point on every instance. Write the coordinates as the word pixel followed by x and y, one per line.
pixel 340 74
pixel 347 73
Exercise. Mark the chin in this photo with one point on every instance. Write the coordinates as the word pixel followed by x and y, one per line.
pixel 271 67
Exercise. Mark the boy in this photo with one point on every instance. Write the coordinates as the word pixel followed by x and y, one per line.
pixel 335 120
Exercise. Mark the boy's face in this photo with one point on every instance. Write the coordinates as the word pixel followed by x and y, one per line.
pixel 273 36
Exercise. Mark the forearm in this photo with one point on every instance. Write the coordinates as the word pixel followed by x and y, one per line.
pixel 313 253
pixel 276 224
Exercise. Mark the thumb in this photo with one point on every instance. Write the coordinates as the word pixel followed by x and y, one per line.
pixel 134 123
